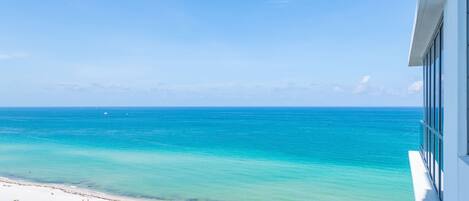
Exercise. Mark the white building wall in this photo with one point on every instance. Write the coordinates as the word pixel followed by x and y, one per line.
pixel 463 162
pixel 456 178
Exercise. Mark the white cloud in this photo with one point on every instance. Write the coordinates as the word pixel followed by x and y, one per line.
pixel 365 79
pixel 362 86
pixel 92 86
pixel 415 87
pixel 13 56
pixel 337 89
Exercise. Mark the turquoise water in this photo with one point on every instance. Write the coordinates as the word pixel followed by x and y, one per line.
pixel 231 154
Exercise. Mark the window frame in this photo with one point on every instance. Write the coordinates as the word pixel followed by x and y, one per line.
pixel 432 131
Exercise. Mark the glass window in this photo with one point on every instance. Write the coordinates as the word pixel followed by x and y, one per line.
pixel 432 125
pixel 428 107
pixel 437 83
pixel 432 112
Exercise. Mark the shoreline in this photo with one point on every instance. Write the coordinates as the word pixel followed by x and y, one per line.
pixel 21 190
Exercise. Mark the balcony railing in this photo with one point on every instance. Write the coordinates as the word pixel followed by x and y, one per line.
pixel 431 149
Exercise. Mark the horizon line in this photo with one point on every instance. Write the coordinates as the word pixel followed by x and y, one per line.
pixel 214 106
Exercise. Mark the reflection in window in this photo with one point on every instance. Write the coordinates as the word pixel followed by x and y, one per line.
pixel 432 123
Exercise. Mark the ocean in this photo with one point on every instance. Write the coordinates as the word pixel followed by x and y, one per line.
pixel 215 153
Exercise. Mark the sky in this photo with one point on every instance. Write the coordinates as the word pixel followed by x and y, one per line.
pixel 207 53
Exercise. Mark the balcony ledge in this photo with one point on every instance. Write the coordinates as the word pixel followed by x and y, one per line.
pixel 423 188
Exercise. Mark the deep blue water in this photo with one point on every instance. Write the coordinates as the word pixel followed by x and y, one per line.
pixel 215 153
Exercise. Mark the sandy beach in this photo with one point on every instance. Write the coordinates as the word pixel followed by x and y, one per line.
pixel 15 190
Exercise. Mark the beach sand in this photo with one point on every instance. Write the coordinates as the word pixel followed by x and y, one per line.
pixel 15 190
